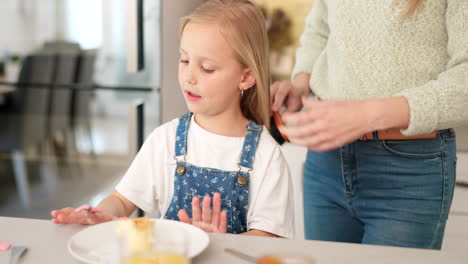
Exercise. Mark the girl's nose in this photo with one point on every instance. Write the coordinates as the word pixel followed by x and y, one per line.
pixel 191 81
pixel 190 76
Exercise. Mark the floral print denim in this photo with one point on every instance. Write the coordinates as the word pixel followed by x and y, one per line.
pixel 200 181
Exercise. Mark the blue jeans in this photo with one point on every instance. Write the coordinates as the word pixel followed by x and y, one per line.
pixel 383 192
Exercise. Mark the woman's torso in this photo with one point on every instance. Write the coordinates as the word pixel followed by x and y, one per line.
pixel 373 51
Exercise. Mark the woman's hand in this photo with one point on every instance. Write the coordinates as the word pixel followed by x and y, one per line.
pixel 326 125
pixel 289 93
pixel 208 220
pixel 71 215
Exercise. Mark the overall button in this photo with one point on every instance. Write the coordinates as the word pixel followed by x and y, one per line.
pixel 180 169
pixel 241 180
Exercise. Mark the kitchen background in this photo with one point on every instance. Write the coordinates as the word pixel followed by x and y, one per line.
pixel 81 160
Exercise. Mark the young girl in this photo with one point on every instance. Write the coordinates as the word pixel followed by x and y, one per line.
pixel 220 153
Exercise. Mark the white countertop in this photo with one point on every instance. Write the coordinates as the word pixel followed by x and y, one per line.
pixel 47 243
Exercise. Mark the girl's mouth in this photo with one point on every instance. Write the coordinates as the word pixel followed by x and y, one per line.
pixel 192 96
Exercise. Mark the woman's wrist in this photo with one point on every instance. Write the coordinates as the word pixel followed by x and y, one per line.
pixel 301 83
pixel 387 113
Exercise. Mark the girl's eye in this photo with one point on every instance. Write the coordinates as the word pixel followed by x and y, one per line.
pixel 183 61
pixel 207 70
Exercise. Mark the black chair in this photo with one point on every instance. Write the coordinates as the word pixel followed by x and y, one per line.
pixel 61 47
pixel 25 125
pixel 61 99
pixel 82 95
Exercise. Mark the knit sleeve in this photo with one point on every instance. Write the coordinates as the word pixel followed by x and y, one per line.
pixel 442 103
pixel 314 38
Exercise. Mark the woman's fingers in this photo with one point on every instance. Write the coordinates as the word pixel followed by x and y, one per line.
pixel 273 89
pixel 326 125
pixel 312 112
pixel 296 119
pixel 282 90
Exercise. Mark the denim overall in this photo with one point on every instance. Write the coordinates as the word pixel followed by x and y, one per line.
pixel 191 180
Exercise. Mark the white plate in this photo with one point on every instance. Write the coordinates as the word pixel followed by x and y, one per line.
pixel 97 244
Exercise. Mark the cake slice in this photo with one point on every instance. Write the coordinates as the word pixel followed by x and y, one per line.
pixel 137 234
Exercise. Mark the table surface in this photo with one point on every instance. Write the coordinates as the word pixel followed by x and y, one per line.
pixel 47 243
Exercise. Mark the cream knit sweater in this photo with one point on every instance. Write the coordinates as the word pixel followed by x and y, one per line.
pixel 361 49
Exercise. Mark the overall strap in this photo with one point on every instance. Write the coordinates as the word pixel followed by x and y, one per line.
pixel 249 147
pixel 181 134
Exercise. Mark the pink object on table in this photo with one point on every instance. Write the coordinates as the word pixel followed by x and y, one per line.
pixel 88 208
pixel 83 207
pixel 4 246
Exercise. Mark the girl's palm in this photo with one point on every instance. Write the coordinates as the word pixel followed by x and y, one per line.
pixel 204 217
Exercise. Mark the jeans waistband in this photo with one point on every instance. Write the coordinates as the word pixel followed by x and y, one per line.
pixel 446 133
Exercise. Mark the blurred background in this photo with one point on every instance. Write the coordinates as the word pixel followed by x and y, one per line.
pixel 67 100
pixel 68 122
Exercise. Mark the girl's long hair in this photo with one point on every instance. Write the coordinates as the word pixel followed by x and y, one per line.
pixel 243 26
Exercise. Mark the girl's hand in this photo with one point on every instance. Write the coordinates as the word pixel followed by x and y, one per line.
pixel 326 125
pixel 71 215
pixel 210 221
pixel 289 93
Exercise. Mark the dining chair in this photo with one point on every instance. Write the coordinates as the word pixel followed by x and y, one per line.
pixel 82 96
pixel 60 101
pixel 24 127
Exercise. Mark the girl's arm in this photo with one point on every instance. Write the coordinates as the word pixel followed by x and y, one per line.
pixel 113 207
pixel 116 205
pixel 271 206
pixel 137 184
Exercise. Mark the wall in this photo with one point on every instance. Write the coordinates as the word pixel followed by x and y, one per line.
pixel 172 101
pixel 26 24
pixel 296 9
pixel 462 141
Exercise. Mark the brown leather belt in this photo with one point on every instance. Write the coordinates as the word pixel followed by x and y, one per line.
pixel 395 134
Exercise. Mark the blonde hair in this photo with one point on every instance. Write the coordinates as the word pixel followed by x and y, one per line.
pixel 243 26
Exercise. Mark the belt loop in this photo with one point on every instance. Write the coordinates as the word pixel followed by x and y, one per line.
pixel 375 135
pixel 442 134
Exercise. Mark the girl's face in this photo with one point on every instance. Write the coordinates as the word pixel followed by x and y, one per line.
pixel 210 74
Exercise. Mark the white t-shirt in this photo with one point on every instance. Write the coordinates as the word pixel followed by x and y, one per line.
pixel 149 182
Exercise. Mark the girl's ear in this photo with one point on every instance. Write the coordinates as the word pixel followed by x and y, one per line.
pixel 248 80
